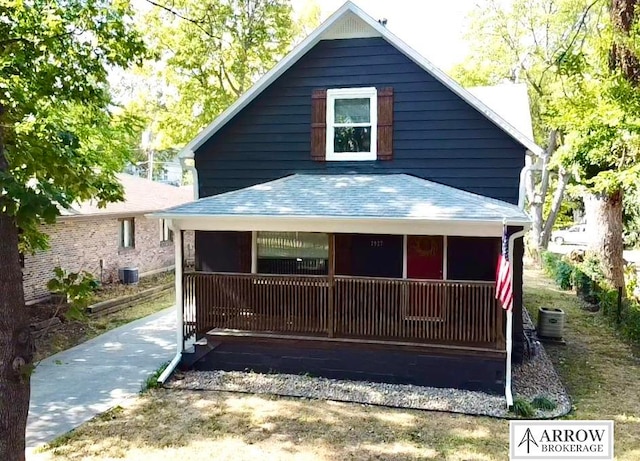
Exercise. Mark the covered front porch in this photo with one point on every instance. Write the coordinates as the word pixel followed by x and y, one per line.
pixel 343 274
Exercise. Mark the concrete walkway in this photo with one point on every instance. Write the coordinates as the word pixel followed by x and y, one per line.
pixel 73 386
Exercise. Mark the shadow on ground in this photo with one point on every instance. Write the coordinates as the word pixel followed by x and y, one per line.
pixel 240 426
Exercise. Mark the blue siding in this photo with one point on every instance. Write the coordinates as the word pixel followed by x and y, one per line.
pixel 437 135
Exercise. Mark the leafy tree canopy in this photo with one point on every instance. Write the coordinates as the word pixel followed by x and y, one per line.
pixel 207 54
pixel 61 139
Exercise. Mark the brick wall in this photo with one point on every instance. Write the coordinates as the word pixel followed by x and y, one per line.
pixel 78 244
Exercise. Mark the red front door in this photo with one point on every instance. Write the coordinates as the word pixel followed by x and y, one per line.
pixel 424 257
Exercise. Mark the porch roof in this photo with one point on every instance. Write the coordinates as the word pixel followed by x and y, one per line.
pixel 355 197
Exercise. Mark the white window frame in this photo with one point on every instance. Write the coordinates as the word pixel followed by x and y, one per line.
pixel 352 93
pixel 166 234
pixel 127 233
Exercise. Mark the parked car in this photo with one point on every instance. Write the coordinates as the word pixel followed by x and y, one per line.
pixel 574 235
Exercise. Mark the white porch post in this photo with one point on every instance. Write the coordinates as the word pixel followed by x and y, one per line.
pixel 177 241
pixel 254 252
pixel 404 256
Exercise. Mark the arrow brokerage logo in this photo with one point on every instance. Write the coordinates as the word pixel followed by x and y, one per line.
pixel 560 440
pixel 528 439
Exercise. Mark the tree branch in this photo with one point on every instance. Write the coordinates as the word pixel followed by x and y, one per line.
pixel 195 22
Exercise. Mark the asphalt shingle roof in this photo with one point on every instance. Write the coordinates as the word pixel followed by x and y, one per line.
pixel 385 196
pixel 140 196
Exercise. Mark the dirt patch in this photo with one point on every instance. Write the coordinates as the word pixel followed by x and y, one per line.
pixel 117 290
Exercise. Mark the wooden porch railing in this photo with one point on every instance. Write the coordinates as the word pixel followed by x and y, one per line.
pixel 417 311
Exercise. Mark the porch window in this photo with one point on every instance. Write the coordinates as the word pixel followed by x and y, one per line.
pixel 351 124
pixel 292 253
pixel 472 258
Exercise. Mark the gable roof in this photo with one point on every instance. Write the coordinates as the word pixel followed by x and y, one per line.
pixel 354 197
pixel 140 196
pixel 349 21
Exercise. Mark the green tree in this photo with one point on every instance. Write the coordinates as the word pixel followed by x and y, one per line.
pixel 521 41
pixel 209 52
pixel 600 80
pixel 61 141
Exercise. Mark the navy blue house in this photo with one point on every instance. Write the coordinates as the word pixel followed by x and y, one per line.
pixel 350 213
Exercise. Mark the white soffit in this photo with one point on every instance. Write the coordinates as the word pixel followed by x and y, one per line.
pixel 349 21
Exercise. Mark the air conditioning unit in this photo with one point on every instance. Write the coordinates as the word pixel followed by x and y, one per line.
pixel 550 323
pixel 128 275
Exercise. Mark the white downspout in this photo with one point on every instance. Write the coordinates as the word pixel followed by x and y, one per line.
pixel 522 190
pixel 189 164
pixel 177 241
pixel 509 328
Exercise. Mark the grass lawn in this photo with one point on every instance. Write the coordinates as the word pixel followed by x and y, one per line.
pixel 599 369
pixel 73 332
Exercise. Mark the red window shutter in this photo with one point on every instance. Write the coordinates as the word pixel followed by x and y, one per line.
pixel 385 124
pixel 319 125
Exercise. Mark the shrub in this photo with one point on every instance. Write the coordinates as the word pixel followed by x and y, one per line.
pixel 608 301
pixel 558 269
pixel 584 285
pixel 523 408
pixel 630 320
pixel 76 287
pixel 549 262
pixel 543 403
pixel 630 279
pixel 563 275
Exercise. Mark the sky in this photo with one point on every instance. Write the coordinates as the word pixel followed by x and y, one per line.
pixel 434 28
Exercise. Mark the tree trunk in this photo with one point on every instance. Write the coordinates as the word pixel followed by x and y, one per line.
pixel 16 351
pixel 563 179
pixel 604 218
pixel 537 197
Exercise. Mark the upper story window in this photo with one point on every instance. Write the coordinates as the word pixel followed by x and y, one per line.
pixel 351 124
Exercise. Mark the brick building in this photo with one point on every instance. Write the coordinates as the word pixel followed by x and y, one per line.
pixel 103 240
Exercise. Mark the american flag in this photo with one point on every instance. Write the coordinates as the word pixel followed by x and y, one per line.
pixel 504 287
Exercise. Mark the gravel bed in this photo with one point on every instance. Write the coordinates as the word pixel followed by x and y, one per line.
pixel 535 378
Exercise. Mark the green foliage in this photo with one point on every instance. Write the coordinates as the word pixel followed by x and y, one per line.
pixel 549 262
pixel 631 219
pixel 585 286
pixel 208 53
pixel 152 380
pixel 563 274
pixel 630 279
pixel 76 287
pixel 558 269
pixel 523 408
pixel 586 276
pixel 63 140
pixel 543 403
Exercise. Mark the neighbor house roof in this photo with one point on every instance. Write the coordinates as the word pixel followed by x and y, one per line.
pixel 349 21
pixel 510 101
pixel 379 196
pixel 140 196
